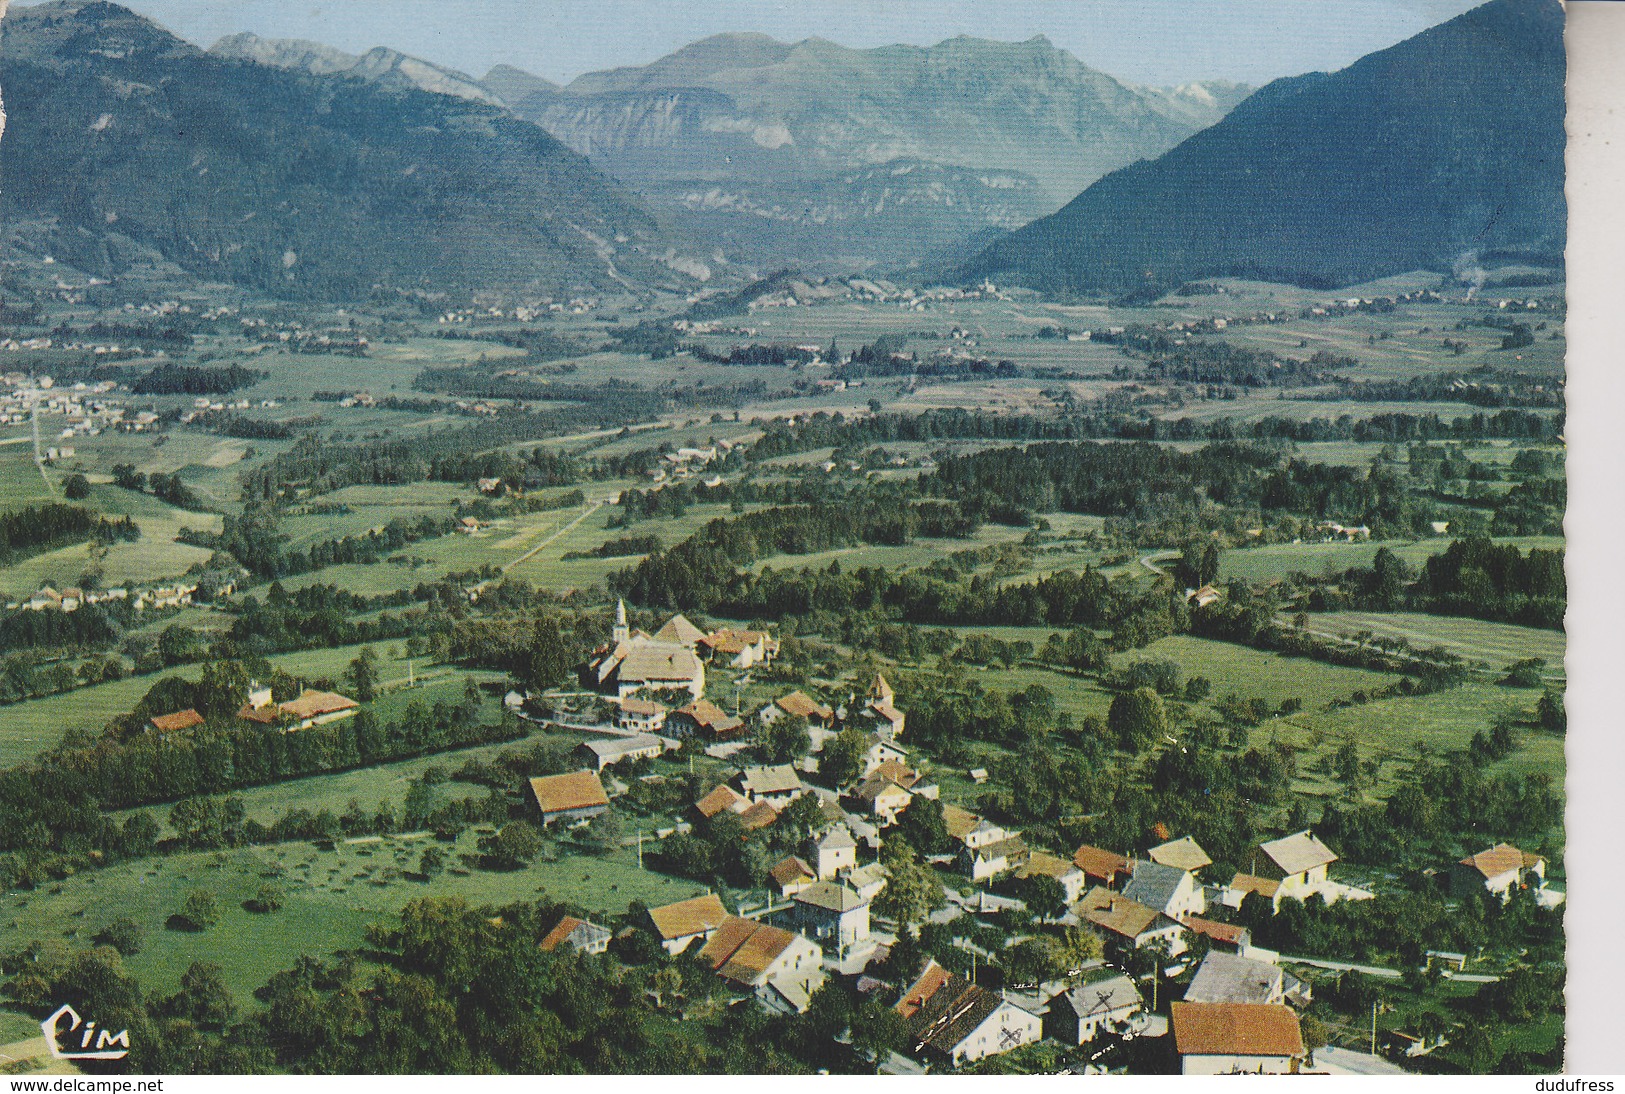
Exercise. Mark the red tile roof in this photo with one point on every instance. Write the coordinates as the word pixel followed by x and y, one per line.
pixel 921 991
pixel 559 933
pixel 720 800
pixel 1228 933
pixel 1099 863
pixel 1236 1029
pixel 181 719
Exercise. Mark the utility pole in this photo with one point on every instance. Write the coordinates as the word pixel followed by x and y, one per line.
pixel 409 679
pixel 1373 1029
pixel 640 848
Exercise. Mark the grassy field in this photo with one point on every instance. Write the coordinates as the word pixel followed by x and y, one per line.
pixel 1500 644
pixel 1279 560
pixel 330 898
pixel 1394 729
pixel 29 728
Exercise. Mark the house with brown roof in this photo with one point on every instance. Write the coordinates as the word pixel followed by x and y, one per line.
pixel 577 934
pixel 679 925
pixel 1242 884
pixel 1100 866
pixel 1236 1038
pixel 969 829
pixel 569 797
pixel 879 797
pixel 758 815
pixel 174 723
pixel 703 718
pixel 950 1018
pixel 748 955
pixel 723 798
pixel 1224 937
pixel 1127 924
pixel 738 649
pixel 791 874
pixel 907 778
pixel 315 708
pixel 641 715
pixel 1042 863
pixel 1498 870
pixel 797 704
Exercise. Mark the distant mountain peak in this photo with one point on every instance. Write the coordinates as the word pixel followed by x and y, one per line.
pixel 1402 160
pixel 209 165
pixel 380 65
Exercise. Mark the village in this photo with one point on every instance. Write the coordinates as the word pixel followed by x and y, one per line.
pixel 1132 919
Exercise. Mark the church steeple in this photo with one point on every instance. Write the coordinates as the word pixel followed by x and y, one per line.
pixel 621 632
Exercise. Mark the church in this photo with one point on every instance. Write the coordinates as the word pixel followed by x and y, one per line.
pixel 634 661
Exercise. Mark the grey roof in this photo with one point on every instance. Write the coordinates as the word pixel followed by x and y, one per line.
pixel 657 661
pixel 1227 978
pixel 620 746
pixel 831 897
pixel 1102 996
pixel 837 837
pixel 1153 884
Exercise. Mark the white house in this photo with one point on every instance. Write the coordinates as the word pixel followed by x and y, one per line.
pixel 679 925
pixel 778 785
pixel 576 933
pixel 1103 1000
pixel 1498 870
pixel 949 1017
pixel 601 753
pixel 1070 876
pixel 833 911
pixel 834 851
pixel 641 715
pixel 1297 863
pixel 749 954
pixel 1174 892
pixel 1127 924
pixel 988 860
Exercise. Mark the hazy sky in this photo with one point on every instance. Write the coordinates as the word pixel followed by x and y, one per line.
pixel 1142 41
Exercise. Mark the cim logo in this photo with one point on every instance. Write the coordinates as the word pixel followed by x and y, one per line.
pixel 93 1044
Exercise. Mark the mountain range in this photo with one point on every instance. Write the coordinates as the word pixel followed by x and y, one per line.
pixel 326 181
pixel 1444 147
pixel 810 150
